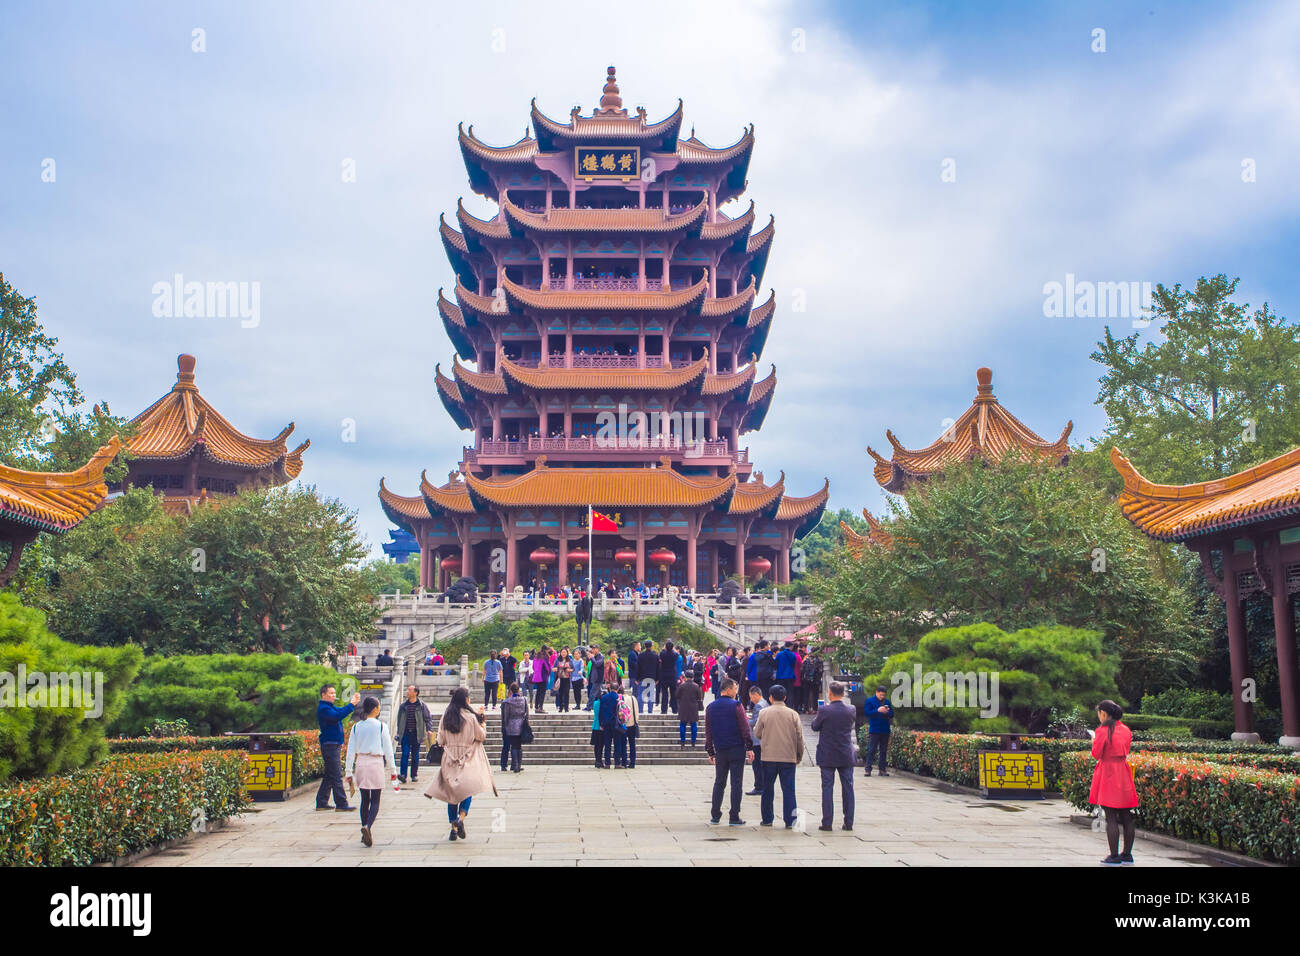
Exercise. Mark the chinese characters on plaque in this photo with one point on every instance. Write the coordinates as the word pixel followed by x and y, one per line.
pixel 606 162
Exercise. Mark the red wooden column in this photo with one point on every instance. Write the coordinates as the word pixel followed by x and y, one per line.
pixel 512 557
pixel 466 554
pixel 562 567
pixel 1284 633
pixel 691 545
pixel 713 561
pixel 1243 714
pixel 640 551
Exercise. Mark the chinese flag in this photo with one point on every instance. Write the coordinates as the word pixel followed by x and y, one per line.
pixel 600 522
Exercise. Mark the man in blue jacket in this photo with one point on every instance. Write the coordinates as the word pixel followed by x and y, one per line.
pixel 879 713
pixel 786 662
pixel 330 718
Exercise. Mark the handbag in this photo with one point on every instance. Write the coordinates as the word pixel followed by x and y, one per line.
pixel 434 756
pixel 526 732
pixel 501 691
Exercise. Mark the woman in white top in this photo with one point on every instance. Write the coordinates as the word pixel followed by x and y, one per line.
pixel 370 750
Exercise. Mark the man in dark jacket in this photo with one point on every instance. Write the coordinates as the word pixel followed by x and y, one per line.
pixel 595 676
pixel 667 696
pixel 880 715
pixel 633 661
pixel 834 724
pixel 729 744
pixel 330 717
pixel 413 726
pixel 764 668
pixel 647 672
pixel 508 667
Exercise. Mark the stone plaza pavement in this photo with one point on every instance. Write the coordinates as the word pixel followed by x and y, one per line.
pixel 565 816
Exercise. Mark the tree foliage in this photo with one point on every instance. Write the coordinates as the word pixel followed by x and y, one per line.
pixel 42 740
pixel 1016 545
pixel 1217 395
pixel 224 693
pixel 1039 669
pixel 272 570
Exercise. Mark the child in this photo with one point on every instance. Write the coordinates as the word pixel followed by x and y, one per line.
pixel 370 750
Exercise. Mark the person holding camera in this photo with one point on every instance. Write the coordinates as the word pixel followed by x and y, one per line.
pixel 329 717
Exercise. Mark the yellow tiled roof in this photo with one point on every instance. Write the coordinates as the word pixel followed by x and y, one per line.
pixel 1179 512
pixel 183 420
pixel 986 429
pixel 55 501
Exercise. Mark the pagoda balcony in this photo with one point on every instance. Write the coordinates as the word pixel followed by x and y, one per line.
pixel 506 451
pixel 609 284
pixel 596 361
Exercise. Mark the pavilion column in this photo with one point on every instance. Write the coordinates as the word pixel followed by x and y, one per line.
pixel 568 422
pixel 466 556
pixel 740 553
pixel 666 284
pixel 640 263
pixel 496 425
pixel 783 564
pixel 562 561
pixel 546 343
pixel 640 552
pixel 568 279
pixel 667 363
pixel 1285 635
pixel 713 561
pixel 541 420
pixel 1243 717
pixel 568 348
pixel 640 349
pixel 692 542
pixel 512 557
pixel 426 563
pixel 546 271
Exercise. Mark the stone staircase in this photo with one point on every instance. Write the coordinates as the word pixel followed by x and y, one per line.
pixel 565 740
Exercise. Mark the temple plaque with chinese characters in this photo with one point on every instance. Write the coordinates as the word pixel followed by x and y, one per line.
pixel 606 162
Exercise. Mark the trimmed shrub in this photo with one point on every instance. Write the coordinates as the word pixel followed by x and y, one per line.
pixel 955 757
pixel 40 740
pixel 305 744
pixel 1209 729
pixel 127 804
pixel 1245 809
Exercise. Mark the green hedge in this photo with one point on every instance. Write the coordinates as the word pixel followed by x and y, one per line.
pixel 1245 809
pixel 127 804
pixel 1209 729
pixel 955 757
pixel 305 745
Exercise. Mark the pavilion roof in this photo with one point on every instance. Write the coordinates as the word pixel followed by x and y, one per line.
pixel 183 421
pixel 721 306
pixel 757 247
pixel 759 323
pixel 608 123
pixel 602 487
pixel 453 320
pixel 452 399
pixel 653 221
pixel 55 501
pixel 572 301
pixel 737 228
pixel 876 535
pixel 759 400
pixel 756 497
pixel 806 511
pixel 400 510
pixel 1179 512
pixel 724 383
pixel 986 429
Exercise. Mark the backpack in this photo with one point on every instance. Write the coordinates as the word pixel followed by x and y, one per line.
pixel 735 669
pixel 624 714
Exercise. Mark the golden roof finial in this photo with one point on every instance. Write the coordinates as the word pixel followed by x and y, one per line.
pixel 185 371
pixel 610 100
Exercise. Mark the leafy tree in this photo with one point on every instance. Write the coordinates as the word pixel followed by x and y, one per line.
pixel 224 693
pixel 42 740
pixel 1218 394
pixel 269 570
pixel 1015 544
pixel 1039 669
pixel 382 576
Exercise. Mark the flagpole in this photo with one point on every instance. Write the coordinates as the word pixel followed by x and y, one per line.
pixel 591 553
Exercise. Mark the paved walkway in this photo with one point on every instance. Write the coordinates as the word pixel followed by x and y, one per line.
pixel 659 815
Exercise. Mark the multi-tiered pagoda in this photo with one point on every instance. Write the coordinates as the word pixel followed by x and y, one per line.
pixel 188 452
pixel 607 340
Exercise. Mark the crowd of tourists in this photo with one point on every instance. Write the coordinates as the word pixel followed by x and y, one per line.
pixel 754 719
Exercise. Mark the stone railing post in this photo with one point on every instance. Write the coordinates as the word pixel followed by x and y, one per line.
pixel 464 670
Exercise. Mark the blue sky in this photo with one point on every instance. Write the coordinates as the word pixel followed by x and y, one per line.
pixel 225 165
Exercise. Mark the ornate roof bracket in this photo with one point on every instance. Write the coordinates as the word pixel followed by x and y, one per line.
pixel 1213 580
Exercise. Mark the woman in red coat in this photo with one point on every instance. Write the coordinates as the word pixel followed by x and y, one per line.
pixel 1112 781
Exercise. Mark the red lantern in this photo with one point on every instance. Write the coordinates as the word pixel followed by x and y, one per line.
pixel 578 557
pixel 542 557
pixel 625 557
pixel 451 563
pixel 662 557
pixel 757 567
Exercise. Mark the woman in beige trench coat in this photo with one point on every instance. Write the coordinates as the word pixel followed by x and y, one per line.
pixel 465 770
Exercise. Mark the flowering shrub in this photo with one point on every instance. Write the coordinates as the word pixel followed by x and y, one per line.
pixel 1247 809
pixel 955 757
pixel 127 804
pixel 305 745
